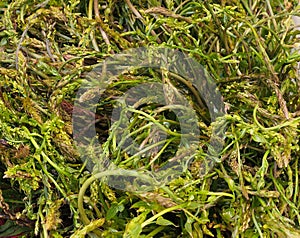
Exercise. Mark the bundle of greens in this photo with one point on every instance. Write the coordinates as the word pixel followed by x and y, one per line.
pixel 47 50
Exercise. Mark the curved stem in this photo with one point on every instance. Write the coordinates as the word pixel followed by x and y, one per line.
pixel 287 123
pixel 89 181
pixel 155 122
pixel 151 219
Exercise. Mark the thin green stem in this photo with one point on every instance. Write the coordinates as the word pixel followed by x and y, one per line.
pixel 89 181
pixel 285 124
pixel 155 231
pixel 153 218
pixel 155 122
pixel 256 225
